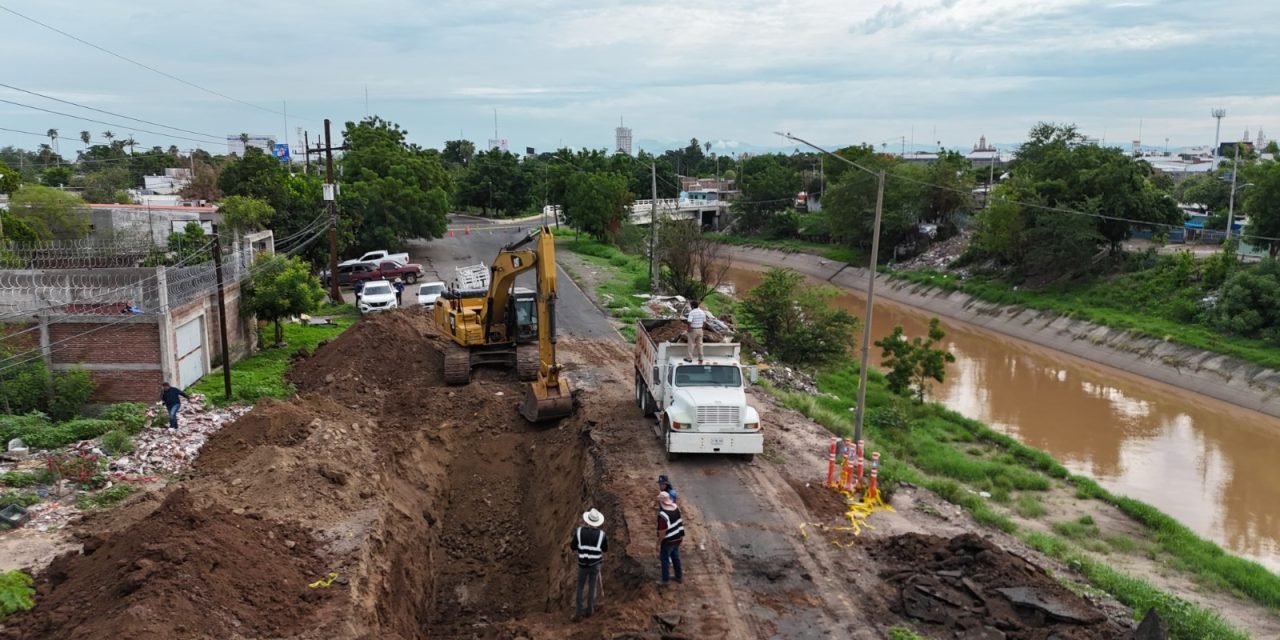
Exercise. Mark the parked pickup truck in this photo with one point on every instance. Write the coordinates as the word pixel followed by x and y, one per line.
pixel 378 256
pixel 701 408
pixel 387 270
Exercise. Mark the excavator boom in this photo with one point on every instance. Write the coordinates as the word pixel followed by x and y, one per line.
pixel 548 397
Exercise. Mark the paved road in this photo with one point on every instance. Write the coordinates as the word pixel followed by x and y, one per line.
pixel 576 315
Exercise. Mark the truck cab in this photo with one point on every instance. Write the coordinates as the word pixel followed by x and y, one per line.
pixel 700 407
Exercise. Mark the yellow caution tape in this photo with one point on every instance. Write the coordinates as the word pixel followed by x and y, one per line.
pixel 324 583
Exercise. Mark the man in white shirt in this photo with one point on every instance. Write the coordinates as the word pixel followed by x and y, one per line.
pixel 696 318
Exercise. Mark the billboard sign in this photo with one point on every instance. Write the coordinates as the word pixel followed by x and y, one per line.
pixel 282 152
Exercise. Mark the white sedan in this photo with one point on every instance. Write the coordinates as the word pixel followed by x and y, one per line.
pixel 378 295
pixel 428 292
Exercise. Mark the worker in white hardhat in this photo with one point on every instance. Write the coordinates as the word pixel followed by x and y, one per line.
pixel 590 543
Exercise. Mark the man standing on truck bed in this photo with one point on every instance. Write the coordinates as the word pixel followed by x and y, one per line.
pixel 696 318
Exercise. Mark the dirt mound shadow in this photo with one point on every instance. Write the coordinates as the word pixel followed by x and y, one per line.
pixel 967 587
pixel 185 571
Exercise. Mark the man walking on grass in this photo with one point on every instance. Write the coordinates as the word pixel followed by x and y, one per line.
pixel 670 534
pixel 171 396
pixel 696 318
pixel 590 544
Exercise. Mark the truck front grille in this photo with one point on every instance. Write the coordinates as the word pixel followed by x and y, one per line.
pixel 719 415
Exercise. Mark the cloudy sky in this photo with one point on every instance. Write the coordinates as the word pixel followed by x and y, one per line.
pixel 564 72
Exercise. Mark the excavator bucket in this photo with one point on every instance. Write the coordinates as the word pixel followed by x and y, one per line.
pixel 545 401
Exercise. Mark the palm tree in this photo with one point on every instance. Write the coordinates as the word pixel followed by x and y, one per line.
pixel 53 138
pixel 85 137
pixel 108 135
pixel 45 152
pixel 130 142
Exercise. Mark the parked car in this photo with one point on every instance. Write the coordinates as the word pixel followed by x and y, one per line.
pixel 377 295
pixel 386 270
pixel 345 272
pixel 428 292
pixel 378 256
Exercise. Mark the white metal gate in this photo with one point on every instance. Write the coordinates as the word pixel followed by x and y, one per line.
pixel 191 360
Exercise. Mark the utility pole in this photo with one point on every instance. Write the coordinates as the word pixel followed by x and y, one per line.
pixel 331 201
pixel 860 410
pixel 222 314
pixel 653 229
pixel 1231 200
pixel 306 148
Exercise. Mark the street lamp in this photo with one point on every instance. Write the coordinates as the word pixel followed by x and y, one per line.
pixel 860 412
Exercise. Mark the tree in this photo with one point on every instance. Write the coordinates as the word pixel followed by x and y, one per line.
pixel 282 287
pixel 596 203
pixel 85 137
pixel 767 187
pixel 394 191
pixel 53 137
pixel 1262 204
pixel 695 264
pixel 913 363
pixel 496 181
pixel 240 213
pixel 458 153
pixel 796 320
pixel 16 230
pixel 1250 302
pixel 106 185
pixel 1272 148
pixel 109 136
pixel 9 179
pixel 190 246
pixel 256 175
pixel 58 176
pixel 51 213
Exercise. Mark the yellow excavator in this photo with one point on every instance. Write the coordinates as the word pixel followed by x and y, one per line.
pixel 511 327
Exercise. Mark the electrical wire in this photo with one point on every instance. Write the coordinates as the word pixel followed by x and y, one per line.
pixel 110 124
pixel 110 113
pixel 135 62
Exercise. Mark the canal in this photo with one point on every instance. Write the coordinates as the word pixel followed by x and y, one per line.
pixel 1213 466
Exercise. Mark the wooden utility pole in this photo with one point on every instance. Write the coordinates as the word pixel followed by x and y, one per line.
pixel 222 314
pixel 654 268
pixel 331 201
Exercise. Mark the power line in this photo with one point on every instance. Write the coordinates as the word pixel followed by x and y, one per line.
pixel 117 115
pixel 109 124
pixel 135 62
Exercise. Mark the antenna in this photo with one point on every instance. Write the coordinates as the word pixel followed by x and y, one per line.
pixel 1218 114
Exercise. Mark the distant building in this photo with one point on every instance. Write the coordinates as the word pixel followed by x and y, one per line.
pixel 499 144
pixel 168 184
pixel 622 139
pixel 721 185
pixel 235 146
pixel 984 155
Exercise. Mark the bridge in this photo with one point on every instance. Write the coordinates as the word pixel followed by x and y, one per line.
pixel 706 212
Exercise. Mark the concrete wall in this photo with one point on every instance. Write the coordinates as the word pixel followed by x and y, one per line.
pixel 1211 374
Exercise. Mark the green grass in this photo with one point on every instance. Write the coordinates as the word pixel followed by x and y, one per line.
pixel 903 633
pixel 106 498
pixel 261 375
pixel 1186 621
pixel 1029 506
pixel 20 498
pixel 1127 303
pixel 21 479
pixel 625 276
pixel 841 253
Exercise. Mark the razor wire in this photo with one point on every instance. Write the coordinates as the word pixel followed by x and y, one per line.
pixel 86 253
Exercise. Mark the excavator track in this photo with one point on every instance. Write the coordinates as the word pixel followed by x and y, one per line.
pixel 457 366
pixel 527 364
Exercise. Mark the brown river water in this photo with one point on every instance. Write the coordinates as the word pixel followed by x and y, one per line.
pixel 1213 466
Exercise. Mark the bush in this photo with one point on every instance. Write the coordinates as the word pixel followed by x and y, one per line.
pixel 16 593
pixel 14 426
pixel 71 390
pixel 796 321
pixel 117 442
pixel 20 498
pixel 131 416
pixel 26 389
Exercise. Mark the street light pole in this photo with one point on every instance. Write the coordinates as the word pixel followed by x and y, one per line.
pixel 860 411
pixel 1231 201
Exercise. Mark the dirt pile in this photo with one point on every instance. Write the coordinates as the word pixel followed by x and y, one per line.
pixel 966 587
pixel 674 330
pixel 185 571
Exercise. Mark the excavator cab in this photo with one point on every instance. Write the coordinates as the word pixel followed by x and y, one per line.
pixel 510 326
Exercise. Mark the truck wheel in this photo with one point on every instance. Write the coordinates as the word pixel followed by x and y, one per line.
pixel 639 392
pixel 411 278
pixel 748 457
pixel 666 441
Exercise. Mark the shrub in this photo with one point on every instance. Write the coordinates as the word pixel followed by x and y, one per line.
pixel 19 426
pixel 117 442
pixel 131 416
pixel 25 389
pixel 16 593
pixel 20 498
pixel 71 390
pixel 108 497
pixel 796 321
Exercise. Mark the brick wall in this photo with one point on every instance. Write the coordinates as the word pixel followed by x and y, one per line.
pixel 126 386
pixel 126 343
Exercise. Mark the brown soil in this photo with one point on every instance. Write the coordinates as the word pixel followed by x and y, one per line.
pixel 185 571
pixel 964 584
pixel 674 330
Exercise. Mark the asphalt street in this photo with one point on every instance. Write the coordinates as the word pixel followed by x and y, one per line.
pixel 576 315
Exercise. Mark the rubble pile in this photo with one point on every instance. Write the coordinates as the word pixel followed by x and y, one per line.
pixel 940 254
pixel 158 451
pixel 967 587
pixel 789 379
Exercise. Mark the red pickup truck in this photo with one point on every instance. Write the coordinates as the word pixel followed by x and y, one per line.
pixel 386 270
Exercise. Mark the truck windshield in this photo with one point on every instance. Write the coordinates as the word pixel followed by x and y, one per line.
pixel 708 375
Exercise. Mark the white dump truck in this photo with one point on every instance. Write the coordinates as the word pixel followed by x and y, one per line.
pixel 700 408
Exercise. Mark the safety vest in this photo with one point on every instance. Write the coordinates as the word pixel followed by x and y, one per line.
pixel 589 550
pixel 675 526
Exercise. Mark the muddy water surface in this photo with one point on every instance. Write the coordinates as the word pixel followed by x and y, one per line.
pixel 1211 465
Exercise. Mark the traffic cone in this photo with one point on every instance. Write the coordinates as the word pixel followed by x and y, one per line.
pixel 451 233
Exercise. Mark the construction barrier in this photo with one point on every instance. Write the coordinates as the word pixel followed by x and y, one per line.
pixel 831 462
